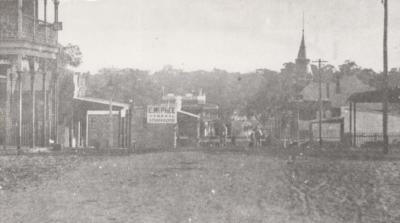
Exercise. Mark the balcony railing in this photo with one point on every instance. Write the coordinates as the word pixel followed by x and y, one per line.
pixel 35 31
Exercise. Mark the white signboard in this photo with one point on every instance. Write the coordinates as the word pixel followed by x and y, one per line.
pixel 4 62
pixel 161 114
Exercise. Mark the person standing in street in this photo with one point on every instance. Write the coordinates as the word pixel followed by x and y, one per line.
pixel 252 138
pixel 258 136
pixel 224 133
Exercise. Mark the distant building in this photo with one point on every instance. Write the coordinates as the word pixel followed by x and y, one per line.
pixel 335 98
pixel 196 117
pixel 347 86
pixel 309 107
pixel 96 122
pixel 334 95
pixel 80 84
pixel 91 124
pixel 185 100
pixel 363 118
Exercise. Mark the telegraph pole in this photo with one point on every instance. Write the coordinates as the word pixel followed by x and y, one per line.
pixel 385 80
pixel 320 61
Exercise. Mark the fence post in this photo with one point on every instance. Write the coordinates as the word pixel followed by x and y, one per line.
pixel 351 123
pixel 354 124
pixel 342 130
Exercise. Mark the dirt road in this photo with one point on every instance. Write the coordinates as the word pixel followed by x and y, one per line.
pixel 197 186
pixel 160 187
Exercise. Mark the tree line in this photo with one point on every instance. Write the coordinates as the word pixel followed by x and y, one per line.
pixel 257 93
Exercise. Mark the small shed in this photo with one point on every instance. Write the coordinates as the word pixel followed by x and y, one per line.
pixel 376 96
pixel 100 123
pixel 188 128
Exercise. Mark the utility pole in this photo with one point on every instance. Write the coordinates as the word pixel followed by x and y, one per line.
pixel 385 80
pixel 320 61
pixel 299 100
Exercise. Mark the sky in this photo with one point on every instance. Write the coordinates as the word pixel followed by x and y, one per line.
pixel 235 35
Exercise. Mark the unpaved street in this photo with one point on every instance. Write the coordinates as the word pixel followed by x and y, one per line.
pixel 160 187
pixel 197 186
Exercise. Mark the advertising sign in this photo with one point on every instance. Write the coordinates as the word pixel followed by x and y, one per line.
pixel 161 114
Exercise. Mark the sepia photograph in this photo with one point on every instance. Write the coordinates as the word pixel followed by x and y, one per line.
pixel 199 111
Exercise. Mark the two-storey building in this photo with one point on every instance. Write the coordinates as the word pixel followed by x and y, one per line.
pixel 28 71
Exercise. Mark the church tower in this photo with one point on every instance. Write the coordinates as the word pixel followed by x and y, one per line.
pixel 302 61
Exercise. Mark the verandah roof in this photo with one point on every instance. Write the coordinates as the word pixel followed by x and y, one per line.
pixel 101 102
pixel 375 96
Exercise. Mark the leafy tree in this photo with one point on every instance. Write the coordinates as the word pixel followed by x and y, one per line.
pixel 258 94
pixel 126 84
pixel 349 68
pixel 70 56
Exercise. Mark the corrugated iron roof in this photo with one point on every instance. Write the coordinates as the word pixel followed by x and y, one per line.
pixel 375 96
pixel 102 101
pixel 189 114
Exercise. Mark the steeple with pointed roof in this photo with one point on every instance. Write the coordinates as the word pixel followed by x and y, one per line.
pixel 302 51
pixel 302 61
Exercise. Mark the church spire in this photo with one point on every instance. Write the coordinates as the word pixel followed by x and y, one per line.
pixel 302 51
pixel 302 61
